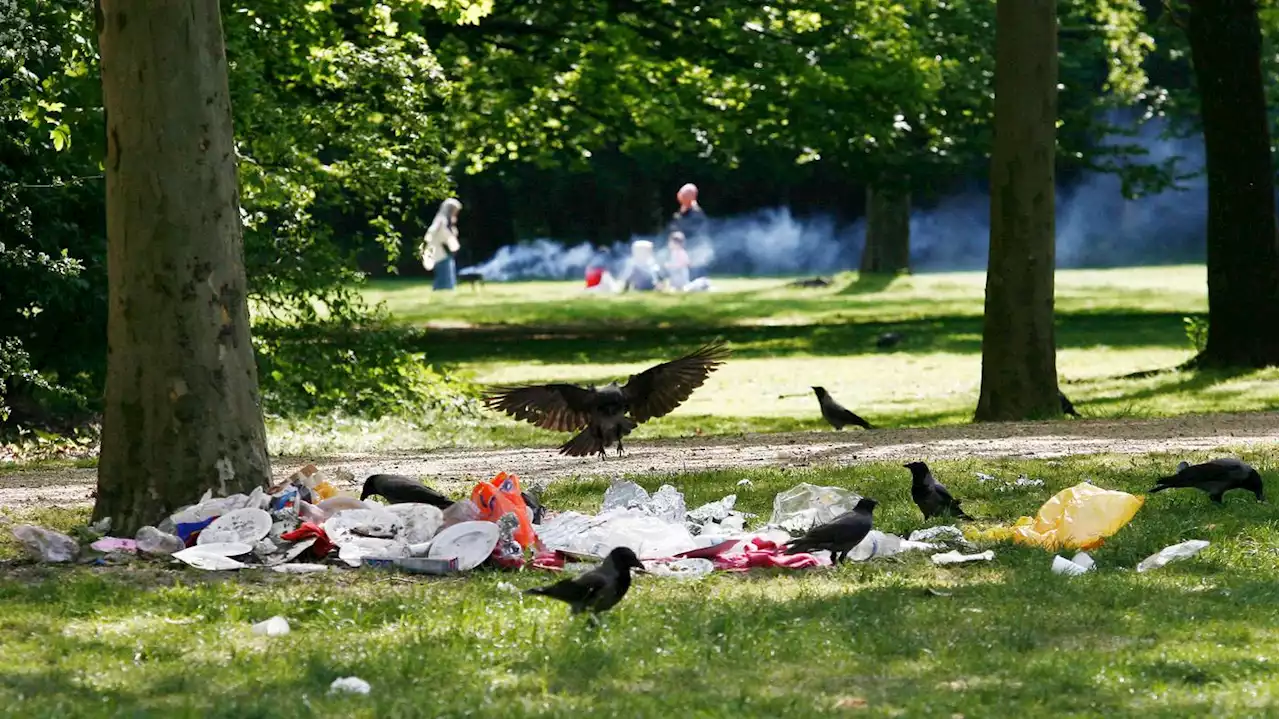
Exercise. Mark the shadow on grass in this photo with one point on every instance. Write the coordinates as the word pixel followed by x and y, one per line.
pixel 869 284
pixel 612 343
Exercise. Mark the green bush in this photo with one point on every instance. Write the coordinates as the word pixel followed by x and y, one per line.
pixel 338 366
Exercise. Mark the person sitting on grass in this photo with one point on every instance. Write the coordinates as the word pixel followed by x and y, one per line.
pixel 643 273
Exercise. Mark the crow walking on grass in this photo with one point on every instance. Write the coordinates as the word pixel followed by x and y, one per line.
pixel 930 495
pixel 599 589
pixel 1215 477
pixel 1067 407
pixel 602 416
pixel 840 535
pixel 835 413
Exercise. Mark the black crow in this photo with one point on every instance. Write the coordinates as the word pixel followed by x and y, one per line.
pixel 399 489
pixel 599 589
pixel 1067 407
pixel 840 535
pixel 888 339
pixel 1216 477
pixel 608 413
pixel 930 495
pixel 835 413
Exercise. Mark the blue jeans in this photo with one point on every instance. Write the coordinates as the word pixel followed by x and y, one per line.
pixel 446 274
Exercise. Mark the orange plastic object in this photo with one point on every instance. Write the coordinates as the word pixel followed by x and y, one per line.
pixel 499 496
pixel 323 490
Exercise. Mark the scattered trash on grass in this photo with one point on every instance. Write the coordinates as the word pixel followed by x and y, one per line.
pixel 1078 517
pixel 1174 552
pixel 46 545
pixel 954 557
pixel 274 627
pixel 1078 564
pixel 354 685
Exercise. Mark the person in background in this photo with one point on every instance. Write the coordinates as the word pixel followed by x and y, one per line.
pixel 440 245
pixel 598 266
pixel 677 261
pixel 689 219
pixel 643 274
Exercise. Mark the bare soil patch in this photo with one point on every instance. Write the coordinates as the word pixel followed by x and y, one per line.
pixel 453 469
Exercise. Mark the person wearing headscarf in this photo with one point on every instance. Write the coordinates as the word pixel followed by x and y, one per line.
pixel 440 244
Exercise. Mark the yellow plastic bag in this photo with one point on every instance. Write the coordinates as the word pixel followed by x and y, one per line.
pixel 995 534
pixel 1078 517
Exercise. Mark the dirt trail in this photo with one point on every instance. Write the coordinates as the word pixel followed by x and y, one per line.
pixel 451 469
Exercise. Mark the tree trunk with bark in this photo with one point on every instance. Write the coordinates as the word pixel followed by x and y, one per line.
pixel 1019 367
pixel 888 245
pixel 182 410
pixel 1243 251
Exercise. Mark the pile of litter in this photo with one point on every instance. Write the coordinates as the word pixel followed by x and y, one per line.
pixel 306 525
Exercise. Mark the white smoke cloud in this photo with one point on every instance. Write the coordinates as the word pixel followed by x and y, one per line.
pixel 1096 227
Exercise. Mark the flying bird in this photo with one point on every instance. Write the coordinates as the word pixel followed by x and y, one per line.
pixel 930 495
pixel 840 535
pixel 835 413
pixel 399 489
pixel 1215 477
pixel 1067 407
pixel 604 415
pixel 599 589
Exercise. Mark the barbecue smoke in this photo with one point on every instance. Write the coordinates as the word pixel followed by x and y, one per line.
pixel 1096 227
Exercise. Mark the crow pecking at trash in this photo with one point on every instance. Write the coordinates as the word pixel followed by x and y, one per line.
pixel 840 535
pixel 1215 477
pixel 930 495
pixel 1067 407
pixel 599 589
pixel 835 413
pixel 399 489
pixel 604 415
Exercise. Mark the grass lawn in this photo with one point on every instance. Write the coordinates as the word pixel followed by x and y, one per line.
pixel 1111 323
pixel 1006 638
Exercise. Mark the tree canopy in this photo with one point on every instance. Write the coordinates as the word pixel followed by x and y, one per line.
pixel 353 119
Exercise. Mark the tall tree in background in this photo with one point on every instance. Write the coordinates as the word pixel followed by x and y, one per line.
pixel 1019 367
pixel 1243 250
pixel 181 410
pixel 887 250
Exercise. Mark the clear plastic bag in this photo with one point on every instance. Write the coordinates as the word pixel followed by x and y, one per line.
pixel 805 506
pixel 46 545
pixel 153 541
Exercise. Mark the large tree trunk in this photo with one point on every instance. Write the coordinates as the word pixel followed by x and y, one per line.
pixel 182 412
pixel 1244 292
pixel 888 245
pixel 1019 368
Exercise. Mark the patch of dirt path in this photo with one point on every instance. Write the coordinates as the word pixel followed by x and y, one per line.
pixel 454 469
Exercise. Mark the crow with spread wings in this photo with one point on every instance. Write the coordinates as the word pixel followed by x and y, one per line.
pixel 604 415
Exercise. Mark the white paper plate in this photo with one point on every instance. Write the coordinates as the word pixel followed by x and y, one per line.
pixel 246 525
pixel 421 521
pixel 357 523
pixel 222 549
pixel 203 560
pixel 469 542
